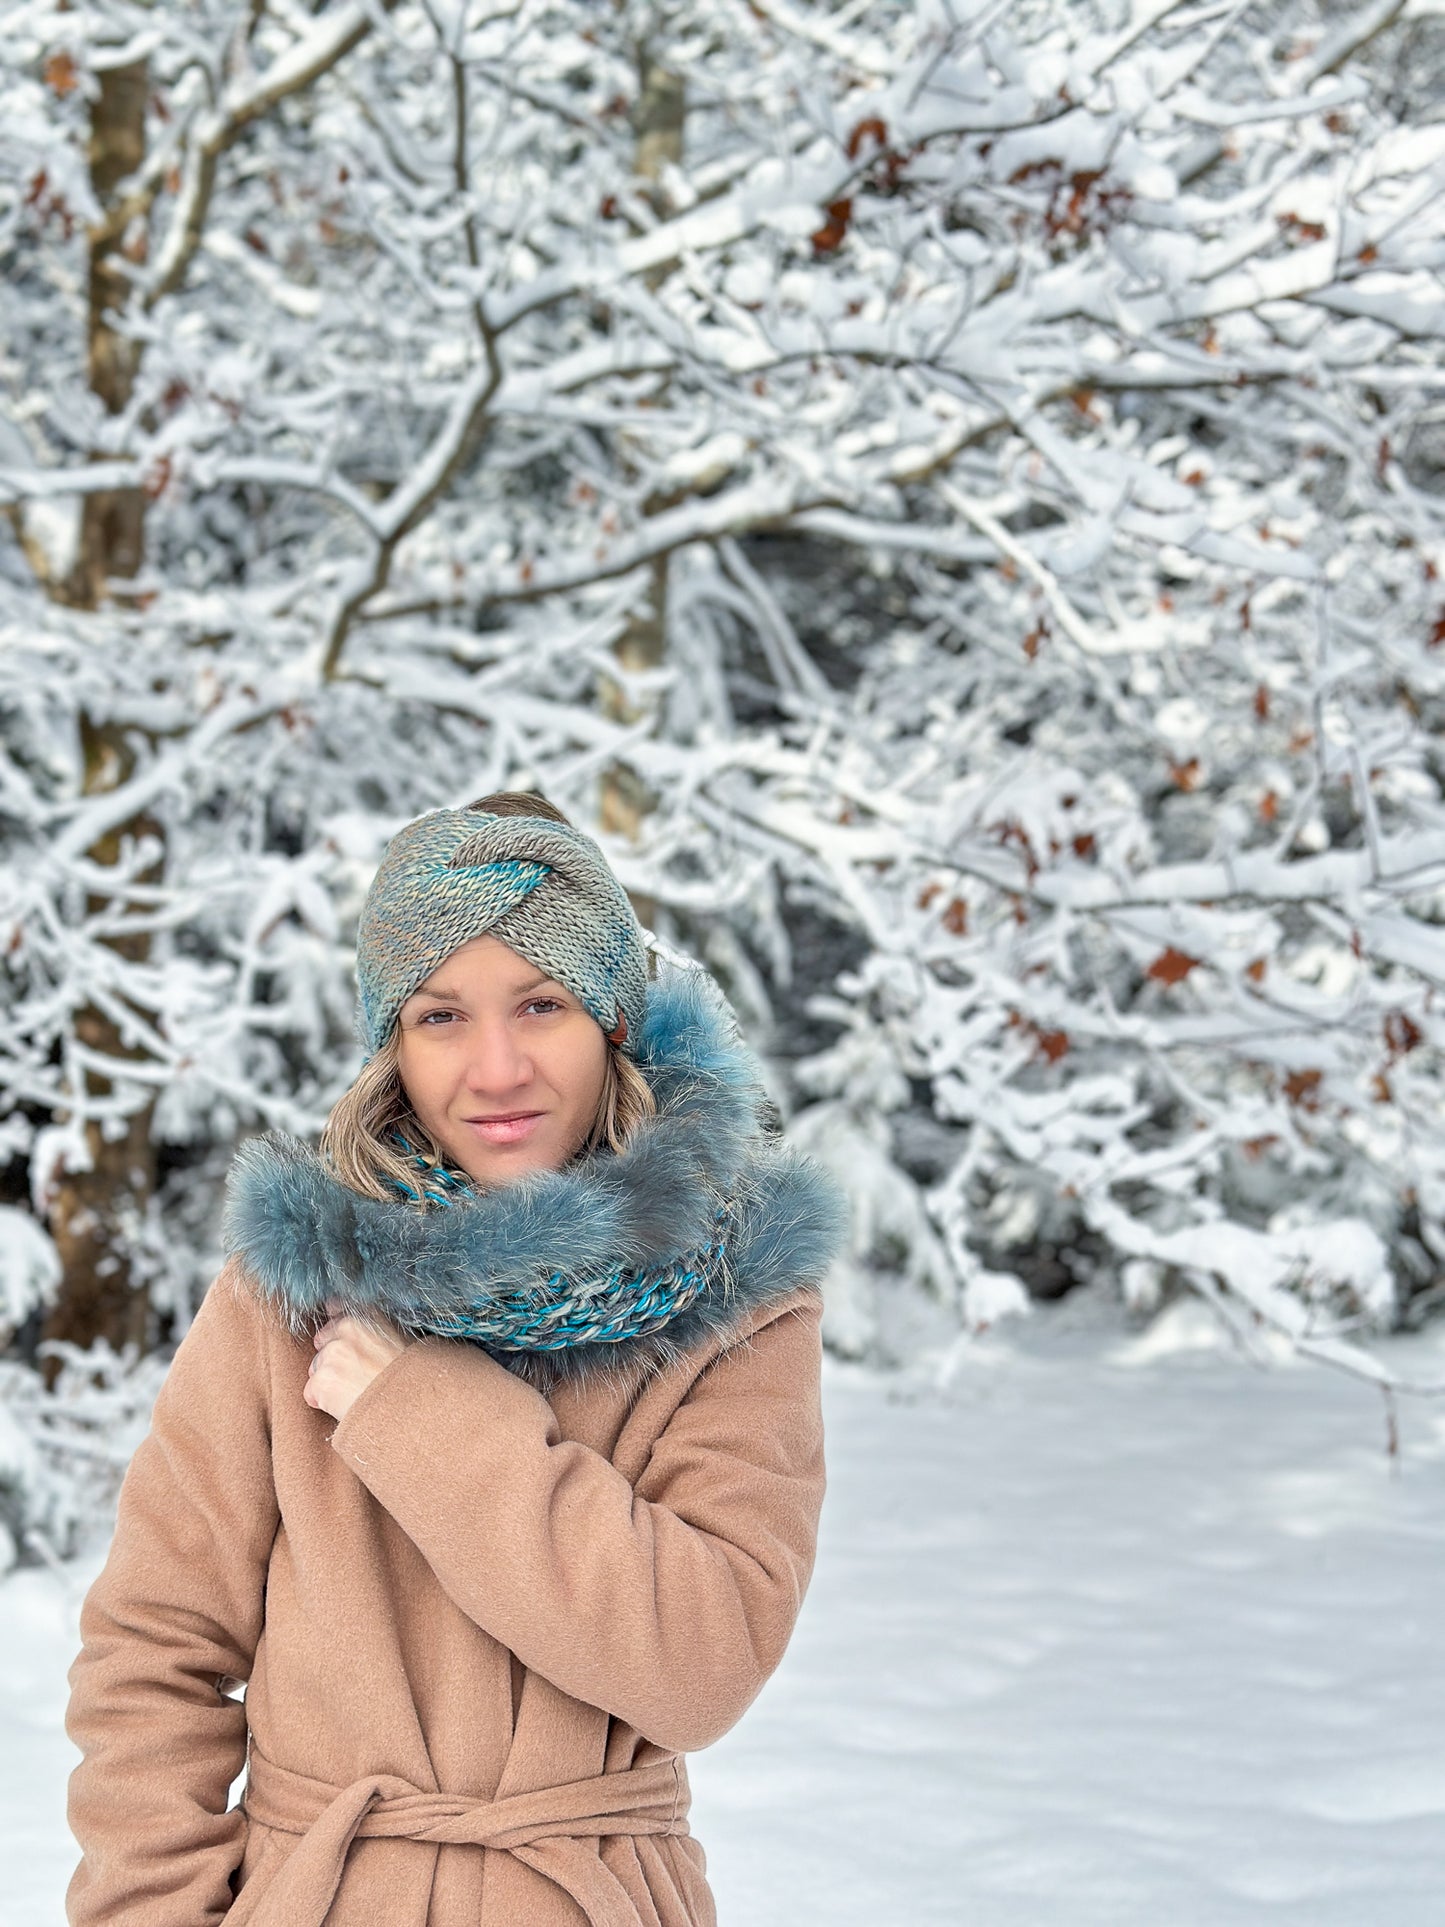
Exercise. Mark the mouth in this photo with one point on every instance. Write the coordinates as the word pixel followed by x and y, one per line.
pixel 509 1129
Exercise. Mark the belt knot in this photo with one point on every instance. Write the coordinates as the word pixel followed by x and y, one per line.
pixel 549 1829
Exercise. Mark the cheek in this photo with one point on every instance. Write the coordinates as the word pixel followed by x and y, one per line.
pixel 578 1067
pixel 418 1080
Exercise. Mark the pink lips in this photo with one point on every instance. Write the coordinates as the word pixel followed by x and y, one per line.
pixel 505 1130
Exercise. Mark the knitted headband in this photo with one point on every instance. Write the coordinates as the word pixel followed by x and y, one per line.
pixel 543 888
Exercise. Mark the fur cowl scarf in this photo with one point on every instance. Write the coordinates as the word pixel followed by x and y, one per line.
pixel 704 1193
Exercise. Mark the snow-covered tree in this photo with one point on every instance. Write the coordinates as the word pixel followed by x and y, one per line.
pixel 952 491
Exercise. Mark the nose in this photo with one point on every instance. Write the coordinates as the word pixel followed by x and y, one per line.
pixel 497 1058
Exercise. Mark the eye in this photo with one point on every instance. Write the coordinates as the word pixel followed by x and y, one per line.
pixel 424 1021
pixel 555 1003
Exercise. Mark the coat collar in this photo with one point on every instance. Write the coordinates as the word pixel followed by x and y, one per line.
pixel 303 1236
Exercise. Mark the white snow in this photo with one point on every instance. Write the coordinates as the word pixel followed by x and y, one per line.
pixel 29 1265
pixel 1114 1633
pixel 1106 1630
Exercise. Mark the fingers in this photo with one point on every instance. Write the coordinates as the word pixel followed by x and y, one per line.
pixel 332 1307
pixel 324 1332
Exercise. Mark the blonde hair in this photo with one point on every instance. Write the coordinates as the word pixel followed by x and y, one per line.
pixel 357 1140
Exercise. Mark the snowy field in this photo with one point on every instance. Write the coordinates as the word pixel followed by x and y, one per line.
pixel 1109 1630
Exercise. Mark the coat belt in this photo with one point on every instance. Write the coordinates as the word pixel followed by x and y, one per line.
pixel 550 1829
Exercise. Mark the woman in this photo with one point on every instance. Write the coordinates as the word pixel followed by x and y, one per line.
pixel 492 1461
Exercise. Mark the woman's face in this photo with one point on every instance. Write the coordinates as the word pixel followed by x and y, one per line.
pixel 503 1066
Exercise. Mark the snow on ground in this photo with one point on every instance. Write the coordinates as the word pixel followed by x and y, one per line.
pixel 1109 1630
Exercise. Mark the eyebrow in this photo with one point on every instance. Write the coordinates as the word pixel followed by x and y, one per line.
pixel 445 994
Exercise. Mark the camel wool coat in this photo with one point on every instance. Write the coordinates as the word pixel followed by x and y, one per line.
pixel 478 1628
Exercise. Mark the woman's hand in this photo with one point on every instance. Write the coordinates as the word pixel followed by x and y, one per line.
pixel 349 1354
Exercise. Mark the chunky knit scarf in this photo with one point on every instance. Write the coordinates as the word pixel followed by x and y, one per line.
pixel 631 1255
pixel 624 1304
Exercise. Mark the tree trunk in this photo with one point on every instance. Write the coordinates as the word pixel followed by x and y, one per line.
pixel 625 798
pixel 112 522
pixel 92 1212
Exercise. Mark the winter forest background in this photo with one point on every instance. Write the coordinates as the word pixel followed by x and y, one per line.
pixel 952 494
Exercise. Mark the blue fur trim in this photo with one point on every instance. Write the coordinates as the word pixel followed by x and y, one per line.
pixel 304 1237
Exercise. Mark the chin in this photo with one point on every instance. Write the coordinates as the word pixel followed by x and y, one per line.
pixel 501 1166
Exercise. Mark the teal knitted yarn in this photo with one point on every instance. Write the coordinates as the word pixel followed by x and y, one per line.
pixel 542 888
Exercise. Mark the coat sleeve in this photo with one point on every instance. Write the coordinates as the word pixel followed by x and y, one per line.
pixel 667 1604
pixel 175 1612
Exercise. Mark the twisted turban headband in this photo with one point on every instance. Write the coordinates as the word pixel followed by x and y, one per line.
pixel 543 888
